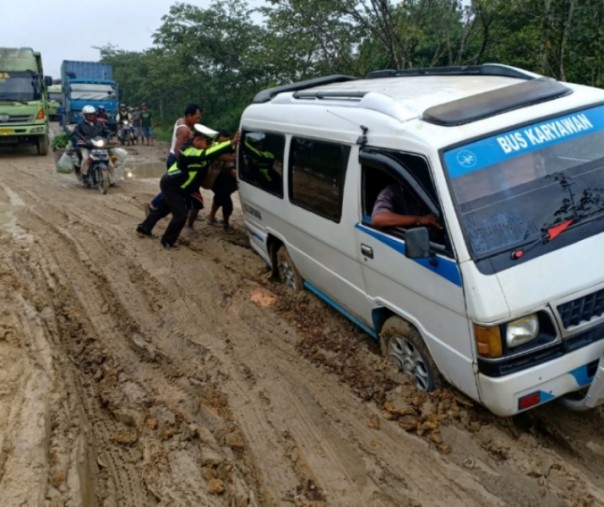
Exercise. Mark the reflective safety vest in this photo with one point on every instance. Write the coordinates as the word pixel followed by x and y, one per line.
pixel 263 160
pixel 192 164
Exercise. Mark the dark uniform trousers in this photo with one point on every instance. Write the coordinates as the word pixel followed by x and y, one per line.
pixel 176 201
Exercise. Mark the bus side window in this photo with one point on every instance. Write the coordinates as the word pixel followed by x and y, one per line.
pixel 261 161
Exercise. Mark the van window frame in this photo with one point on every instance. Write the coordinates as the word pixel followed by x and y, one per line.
pixel 382 160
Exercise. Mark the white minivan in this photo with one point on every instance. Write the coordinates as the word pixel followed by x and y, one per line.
pixel 505 300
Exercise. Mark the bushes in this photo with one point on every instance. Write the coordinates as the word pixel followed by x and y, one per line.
pixel 59 141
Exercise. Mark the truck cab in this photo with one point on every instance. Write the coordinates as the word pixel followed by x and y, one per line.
pixel 88 83
pixel 81 92
pixel 23 99
pixel 55 101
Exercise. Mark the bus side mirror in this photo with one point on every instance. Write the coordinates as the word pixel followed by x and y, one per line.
pixel 48 80
pixel 417 243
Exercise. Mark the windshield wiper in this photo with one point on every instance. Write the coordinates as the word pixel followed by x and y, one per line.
pixel 550 233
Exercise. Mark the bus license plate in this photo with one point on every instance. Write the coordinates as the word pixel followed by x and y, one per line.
pixel 6 132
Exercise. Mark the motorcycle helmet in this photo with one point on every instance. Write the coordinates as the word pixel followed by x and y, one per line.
pixel 101 109
pixel 89 112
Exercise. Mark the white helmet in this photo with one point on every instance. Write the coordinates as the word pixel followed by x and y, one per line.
pixel 88 109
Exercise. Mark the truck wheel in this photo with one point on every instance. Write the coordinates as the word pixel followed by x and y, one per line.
pixel 42 145
pixel 286 270
pixel 403 344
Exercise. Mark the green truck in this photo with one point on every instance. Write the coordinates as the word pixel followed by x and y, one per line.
pixel 23 99
pixel 55 101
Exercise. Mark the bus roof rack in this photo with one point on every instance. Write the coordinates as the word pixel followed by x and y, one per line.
pixel 269 93
pixel 491 103
pixel 342 95
pixel 487 69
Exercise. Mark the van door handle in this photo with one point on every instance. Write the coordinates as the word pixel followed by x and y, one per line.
pixel 366 250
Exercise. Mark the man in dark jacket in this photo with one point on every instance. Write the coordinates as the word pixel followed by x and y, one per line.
pixel 182 179
pixel 88 128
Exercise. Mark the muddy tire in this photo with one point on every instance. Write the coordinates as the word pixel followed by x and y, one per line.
pixel 103 182
pixel 402 344
pixel 42 145
pixel 286 270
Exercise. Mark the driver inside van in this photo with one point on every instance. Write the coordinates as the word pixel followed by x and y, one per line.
pixel 395 208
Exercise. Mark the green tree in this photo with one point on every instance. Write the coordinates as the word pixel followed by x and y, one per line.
pixel 221 56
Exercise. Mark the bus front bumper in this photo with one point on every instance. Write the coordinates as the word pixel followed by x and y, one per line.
pixel 578 377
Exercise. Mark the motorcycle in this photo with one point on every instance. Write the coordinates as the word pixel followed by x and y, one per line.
pixel 100 164
pixel 126 134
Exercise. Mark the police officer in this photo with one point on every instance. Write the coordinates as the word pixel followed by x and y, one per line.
pixel 182 179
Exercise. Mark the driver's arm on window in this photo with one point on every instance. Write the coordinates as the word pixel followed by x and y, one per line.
pixel 384 219
pixel 387 214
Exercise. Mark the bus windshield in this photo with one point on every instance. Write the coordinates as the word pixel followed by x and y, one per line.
pixel 20 86
pixel 513 188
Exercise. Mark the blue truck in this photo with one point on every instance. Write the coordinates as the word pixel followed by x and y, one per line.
pixel 88 83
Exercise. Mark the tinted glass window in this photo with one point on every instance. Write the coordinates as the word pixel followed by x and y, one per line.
pixel 18 86
pixel 415 166
pixel 261 160
pixel 317 174
pixel 514 188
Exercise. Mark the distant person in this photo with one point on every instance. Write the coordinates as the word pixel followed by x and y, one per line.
pixel 136 123
pixel 101 115
pixel 147 125
pixel 123 115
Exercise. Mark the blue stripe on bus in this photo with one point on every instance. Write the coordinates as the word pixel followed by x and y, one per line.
pixel 340 309
pixel 508 145
pixel 581 375
pixel 445 268
pixel 256 235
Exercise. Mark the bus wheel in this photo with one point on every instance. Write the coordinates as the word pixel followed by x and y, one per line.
pixel 402 343
pixel 287 272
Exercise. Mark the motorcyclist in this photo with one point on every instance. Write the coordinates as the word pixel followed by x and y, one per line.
pixel 101 115
pixel 88 128
pixel 122 116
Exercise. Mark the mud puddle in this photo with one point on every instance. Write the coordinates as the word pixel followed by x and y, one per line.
pixel 144 171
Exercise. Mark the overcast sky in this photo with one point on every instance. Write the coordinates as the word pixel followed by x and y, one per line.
pixel 70 30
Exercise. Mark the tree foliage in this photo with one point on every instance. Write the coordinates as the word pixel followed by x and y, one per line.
pixel 221 56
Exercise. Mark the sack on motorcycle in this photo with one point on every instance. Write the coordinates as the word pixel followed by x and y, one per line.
pixel 120 153
pixel 213 172
pixel 65 164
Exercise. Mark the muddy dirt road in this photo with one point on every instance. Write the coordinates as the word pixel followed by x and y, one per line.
pixel 134 376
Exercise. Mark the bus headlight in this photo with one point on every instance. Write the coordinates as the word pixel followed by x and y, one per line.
pixel 522 330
